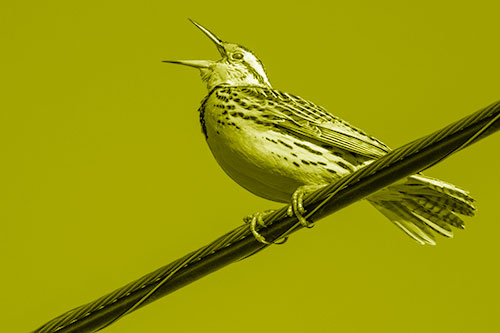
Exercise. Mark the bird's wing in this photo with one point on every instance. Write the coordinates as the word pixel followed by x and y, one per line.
pixel 300 117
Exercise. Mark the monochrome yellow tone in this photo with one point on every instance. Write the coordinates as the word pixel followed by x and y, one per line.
pixel 106 174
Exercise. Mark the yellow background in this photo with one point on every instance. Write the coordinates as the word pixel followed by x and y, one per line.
pixel 106 175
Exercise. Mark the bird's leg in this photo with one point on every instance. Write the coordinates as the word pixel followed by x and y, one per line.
pixel 258 218
pixel 297 205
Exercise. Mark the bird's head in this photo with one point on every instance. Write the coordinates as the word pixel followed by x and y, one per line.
pixel 238 66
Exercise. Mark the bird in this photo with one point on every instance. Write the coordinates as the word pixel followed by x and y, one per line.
pixel 280 147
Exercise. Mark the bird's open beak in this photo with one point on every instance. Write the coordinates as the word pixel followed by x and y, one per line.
pixel 202 63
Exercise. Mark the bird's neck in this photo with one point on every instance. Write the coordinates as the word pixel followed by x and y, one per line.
pixel 234 76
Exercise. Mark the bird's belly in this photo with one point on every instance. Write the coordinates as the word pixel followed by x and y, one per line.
pixel 269 164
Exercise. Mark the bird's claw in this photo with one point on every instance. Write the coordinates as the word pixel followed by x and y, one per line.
pixel 297 205
pixel 258 218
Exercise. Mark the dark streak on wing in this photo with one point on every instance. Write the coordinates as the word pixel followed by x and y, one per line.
pixel 313 123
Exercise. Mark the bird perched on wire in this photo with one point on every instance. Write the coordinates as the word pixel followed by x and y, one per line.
pixel 280 147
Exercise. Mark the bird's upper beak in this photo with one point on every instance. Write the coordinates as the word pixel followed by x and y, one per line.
pixel 202 63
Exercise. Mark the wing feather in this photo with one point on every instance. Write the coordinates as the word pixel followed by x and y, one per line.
pixel 312 122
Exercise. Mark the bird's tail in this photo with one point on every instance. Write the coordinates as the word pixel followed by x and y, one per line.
pixel 422 205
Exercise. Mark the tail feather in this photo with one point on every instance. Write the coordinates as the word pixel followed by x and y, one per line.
pixel 430 201
pixel 430 218
pixel 450 190
pixel 434 208
pixel 406 221
pixel 423 205
pixel 428 198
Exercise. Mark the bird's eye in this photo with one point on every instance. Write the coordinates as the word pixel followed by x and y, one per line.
pixel 237 56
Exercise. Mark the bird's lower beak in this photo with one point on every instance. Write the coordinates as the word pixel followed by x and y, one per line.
pixel 191 63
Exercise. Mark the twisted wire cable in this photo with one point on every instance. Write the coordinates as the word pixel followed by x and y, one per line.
pixel 240 243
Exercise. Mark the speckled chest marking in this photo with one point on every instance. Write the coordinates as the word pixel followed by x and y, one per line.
pixel 227 108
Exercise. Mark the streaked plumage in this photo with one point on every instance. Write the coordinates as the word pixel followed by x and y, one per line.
pixel 272 143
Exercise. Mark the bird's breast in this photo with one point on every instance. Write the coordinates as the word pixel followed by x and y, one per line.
pixel 267 162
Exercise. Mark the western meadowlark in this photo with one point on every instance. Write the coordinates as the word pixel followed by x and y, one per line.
pixel 280 146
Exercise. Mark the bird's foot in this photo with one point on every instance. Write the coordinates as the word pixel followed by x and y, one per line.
pixel 258 218
pixel 297 205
